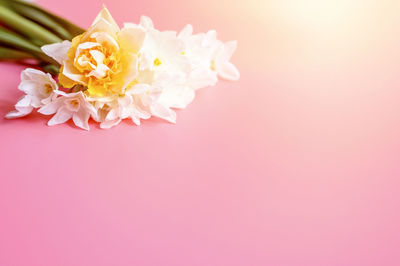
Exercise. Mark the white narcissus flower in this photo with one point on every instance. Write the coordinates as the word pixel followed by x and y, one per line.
pixel 199 51
pixel 163 53
pixel 205 53
pixel 126 106
pixel 67 106
pixel 39 88
pixel 139 102
pixel 174 90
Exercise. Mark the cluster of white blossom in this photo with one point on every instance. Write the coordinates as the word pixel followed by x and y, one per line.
pixel 109 74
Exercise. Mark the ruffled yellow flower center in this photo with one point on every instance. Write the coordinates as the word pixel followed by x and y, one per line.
pixel 98 64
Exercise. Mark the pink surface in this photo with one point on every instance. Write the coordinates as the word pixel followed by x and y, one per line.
pixel 297 164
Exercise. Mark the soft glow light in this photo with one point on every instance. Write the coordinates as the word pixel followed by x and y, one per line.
pixel 317 13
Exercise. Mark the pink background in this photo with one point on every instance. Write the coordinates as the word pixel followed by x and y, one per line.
pixel 297 164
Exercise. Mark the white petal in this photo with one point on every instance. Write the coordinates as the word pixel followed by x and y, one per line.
pixel 106 16
pixel 23 108
pixel 99 72
pixel 32 74
pixel 29 87
pixel 57 51
pixel 186 31
pixel 103 37
pixel 163 112
pixel 131 25
pixel 145 76
pixel 139 89
pixel 72 73
pixel 84 61
pixel 101 25
pixel 24 101
pixel 125 101
pixel 142 114
pixel 188 97
pixel 228 71
pixel 112 114
pixel 228 50
pixel 110 123
pixel 51 107
pixel 177 97
pixel 146 22
pixel 85 46
pixel 201 78
pixel 131 39
pixel 97 56
pixel 47 100
pixel 210 38
pixel 62 93
pixel 135 120
pixel 62 115
pixel 81 118
pixel 17 113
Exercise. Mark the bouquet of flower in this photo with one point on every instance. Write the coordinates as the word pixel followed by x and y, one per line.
pixel 108 73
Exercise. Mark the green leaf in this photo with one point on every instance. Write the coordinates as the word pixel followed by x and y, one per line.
pixel 13 40
pixel 40 17
pixel 26 27
pixel 72 28
pixel 12 54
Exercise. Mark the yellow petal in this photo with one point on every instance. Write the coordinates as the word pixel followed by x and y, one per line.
pixel 72 73
pixel 131 39
pixel 65 81
pixel 105 14
pixel 103 23
pixel 128 72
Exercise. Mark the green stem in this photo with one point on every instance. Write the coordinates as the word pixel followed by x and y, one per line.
pixel 49 68
pixel 26 27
